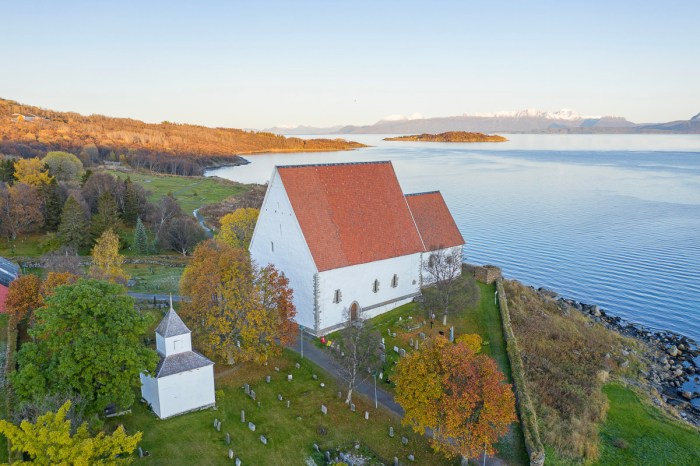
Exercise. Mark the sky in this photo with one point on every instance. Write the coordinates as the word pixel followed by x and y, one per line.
pixel 258 64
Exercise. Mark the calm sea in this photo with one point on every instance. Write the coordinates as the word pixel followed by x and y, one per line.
pixel 606 219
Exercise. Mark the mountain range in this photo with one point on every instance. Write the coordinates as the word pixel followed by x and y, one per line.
pixel 523 121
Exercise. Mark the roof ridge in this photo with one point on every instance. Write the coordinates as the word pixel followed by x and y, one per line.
pixel 422 193
pixel 376 162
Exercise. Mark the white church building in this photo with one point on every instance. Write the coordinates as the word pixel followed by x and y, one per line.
pixel 184 379
pixel 349 240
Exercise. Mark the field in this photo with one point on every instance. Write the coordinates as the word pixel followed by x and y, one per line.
pixel 291 432
pixel 192 192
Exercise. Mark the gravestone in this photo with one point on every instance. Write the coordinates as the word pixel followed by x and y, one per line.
pixel 328 456
pixel 258 404
pixel 297 365
pixel 238 462
pixel 279 397
pixel 389 331
pixel 422 335
pixel 140 453
pixel 314 376
pixel 218 426
pixel 340 395
pixel 316 447
pixel 352 407
pixel 452 334
pixel 230 454
pixel 396 349
pixel 396 461
pixel 416 345
pixel 382 340
pixel 247 389
pixel 366 415
pixel 251 426
pixel 381 375
pixel 242 415
pixel 216 421
pixel 323 384
pixel 404 440
pixel 268 379
pixel 411 343
pixel 391 431
pixel 402 352
pixel 382 357
pixel 324 409
pixel 252 394
pixel 287 403
pixel 277 369
pixel 444 319
pixel 289 377
pixel 411 458
pixel 228 438
pixel 263 439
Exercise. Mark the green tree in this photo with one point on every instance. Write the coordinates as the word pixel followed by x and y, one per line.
pixel 52 206
pixel 107 216
pixel 130 210
pixel 73 227
pixel 140 238
pixel 7 170
pixel 49 441
pixel 63 165
pixel 87 343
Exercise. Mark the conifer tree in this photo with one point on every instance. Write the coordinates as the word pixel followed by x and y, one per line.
pixel 107 216
pixel 140 238
pixel 73 227
pixel 52 207
pixel 130 210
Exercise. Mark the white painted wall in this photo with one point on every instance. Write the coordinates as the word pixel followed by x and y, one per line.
pixel 427 278
pixel 149 392
pixel 186 391
pixel 356 284
pixel 173 345
pixel 278 225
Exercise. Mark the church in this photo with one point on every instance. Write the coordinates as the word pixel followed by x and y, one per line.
pixel 349 240
pixel 184 379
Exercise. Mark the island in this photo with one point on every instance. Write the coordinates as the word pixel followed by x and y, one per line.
pixel 451 136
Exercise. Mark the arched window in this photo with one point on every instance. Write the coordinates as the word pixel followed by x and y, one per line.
pixel 375 286
pixel 395 281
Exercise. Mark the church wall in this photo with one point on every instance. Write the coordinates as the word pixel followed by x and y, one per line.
pixel 172 345
pixel 186 391
pixel 149 392
pixel 356 284
pixel 278 240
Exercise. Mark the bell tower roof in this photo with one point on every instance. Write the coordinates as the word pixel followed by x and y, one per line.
pixel 172 324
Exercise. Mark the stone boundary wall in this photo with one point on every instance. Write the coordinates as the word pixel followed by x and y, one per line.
pixel 483 273
pixel 526 411
pixel 86 261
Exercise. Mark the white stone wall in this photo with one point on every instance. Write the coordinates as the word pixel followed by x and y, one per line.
pixel 356 284
pixel 173 345
pixel 427 278
pixel 186 391
pixel 278 226
pixel 149 392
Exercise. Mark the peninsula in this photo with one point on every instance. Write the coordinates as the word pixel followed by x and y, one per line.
pixel 451 136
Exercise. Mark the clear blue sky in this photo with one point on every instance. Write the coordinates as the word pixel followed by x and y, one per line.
pixel 263 63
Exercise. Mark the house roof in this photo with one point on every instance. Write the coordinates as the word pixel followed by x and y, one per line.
pixel 435 224
pixel 171 325
pixel 8 271
pixel 181 362
pixel 350 213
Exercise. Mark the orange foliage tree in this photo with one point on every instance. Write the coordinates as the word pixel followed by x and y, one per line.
pixel 239 312
pixel 55 279
pixel 459 395
pixel 24 297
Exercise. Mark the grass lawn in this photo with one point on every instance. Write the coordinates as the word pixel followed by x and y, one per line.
pixel 3 345
pixel 24 245
pixel 152 278
pixel 291 432
pixel 192 192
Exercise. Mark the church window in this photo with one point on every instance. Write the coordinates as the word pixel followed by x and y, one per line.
pixel 395 281
pixel 337 296
pixel 375 286
pixel 272 246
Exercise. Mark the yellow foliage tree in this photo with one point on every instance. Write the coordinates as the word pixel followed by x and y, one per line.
pixel 472 340
pixel 106 260
pixel 49 441
pixel 237 227
pixel 32 172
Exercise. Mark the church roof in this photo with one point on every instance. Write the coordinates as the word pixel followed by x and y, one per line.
pixel 351 213
pixel 435 224
pixel 8 271
pixel 171 325
pixel 181 362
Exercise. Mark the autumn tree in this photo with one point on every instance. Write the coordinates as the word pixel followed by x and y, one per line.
pixel 73 228
pixel 56 279
pixel 106 260
pixel 50 441
pixel 457 394
pixel 183 234
pixel 357 354
pixel 24 297
pixel 87 343
pixel 63 260
pixel 237 227
pixel 32 172
pixel 63 166
pixel 239 312
pixel 165 211
pixel 130 206
pixel 472 340
pixel 96 185
pixel 20 209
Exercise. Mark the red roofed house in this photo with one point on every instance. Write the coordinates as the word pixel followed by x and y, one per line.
pixel 348 239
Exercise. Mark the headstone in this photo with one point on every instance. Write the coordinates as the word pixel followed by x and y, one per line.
pixel 287 403
pixel 352 407
pixel 389 331
pixel 289 377
pixel 252 394
pixel 391 431
pixel 316 447
pixel 251 426
pixel 416 345
pixel 297 365
pixel 382 340
pixel 340 395
pixel 228 438
pixel 218 426
pixel 279 397
pixel 238 462
pixel 323 384
pixel 366 415
pixel 277 369
pixel 328 456
pixel 324 409
pixel 381 375
pixel 268 379
pixel 411 343
pixel 314 376
pixel 230 454
pixel 396 349
pixel 422 335
pixel 263 439
pixel 396 461
pixel 247 389
pixel 216 421
pixel 140 452
pixel 258 404
pixel 444 319
pixel 402 352
pixel 242 415
pixel 382 357
pixel 452 334
pixel 404 440
pixel 411 457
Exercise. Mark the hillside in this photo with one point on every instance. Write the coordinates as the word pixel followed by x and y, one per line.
pixel 32 131
pixel 451 136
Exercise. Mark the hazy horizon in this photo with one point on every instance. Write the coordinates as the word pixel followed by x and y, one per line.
pixel 264 64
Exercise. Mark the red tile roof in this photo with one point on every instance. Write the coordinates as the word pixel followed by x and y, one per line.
pixel 434 221
pixel 351 213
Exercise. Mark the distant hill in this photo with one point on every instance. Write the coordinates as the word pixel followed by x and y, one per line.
pixel 524 121
pixel 451 136
pixel 27 130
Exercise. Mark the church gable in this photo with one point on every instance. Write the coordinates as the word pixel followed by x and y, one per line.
pixel 434 221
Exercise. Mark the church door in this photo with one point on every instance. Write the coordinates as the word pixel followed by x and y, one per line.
pixel 354 308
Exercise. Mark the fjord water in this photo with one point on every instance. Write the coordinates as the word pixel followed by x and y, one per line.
pixel 606 219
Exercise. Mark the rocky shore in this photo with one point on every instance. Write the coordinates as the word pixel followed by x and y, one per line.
pixel 672 359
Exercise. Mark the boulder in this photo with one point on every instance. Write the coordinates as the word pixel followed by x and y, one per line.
pixel 687 395
pixel 673 350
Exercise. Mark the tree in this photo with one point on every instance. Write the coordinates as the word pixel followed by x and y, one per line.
pixel 472 340
pixel 24 297
pixel 63 260
pixel 52 204
pixel 460 396
pixel 182 234
pixel 166 210
pixel 96 185
pixel 237 227
pixel 358 352
pixel 106 260
pixel 130 206
pixel 20 209
pixel 32 172
pixel 73 227
pixel 7 170
pixel 140 238
pixel 443 272
pixel 107 216
pixel 56 279
pixel 87 343
pixel 63 166
pixel 238 311
pixel 50 441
